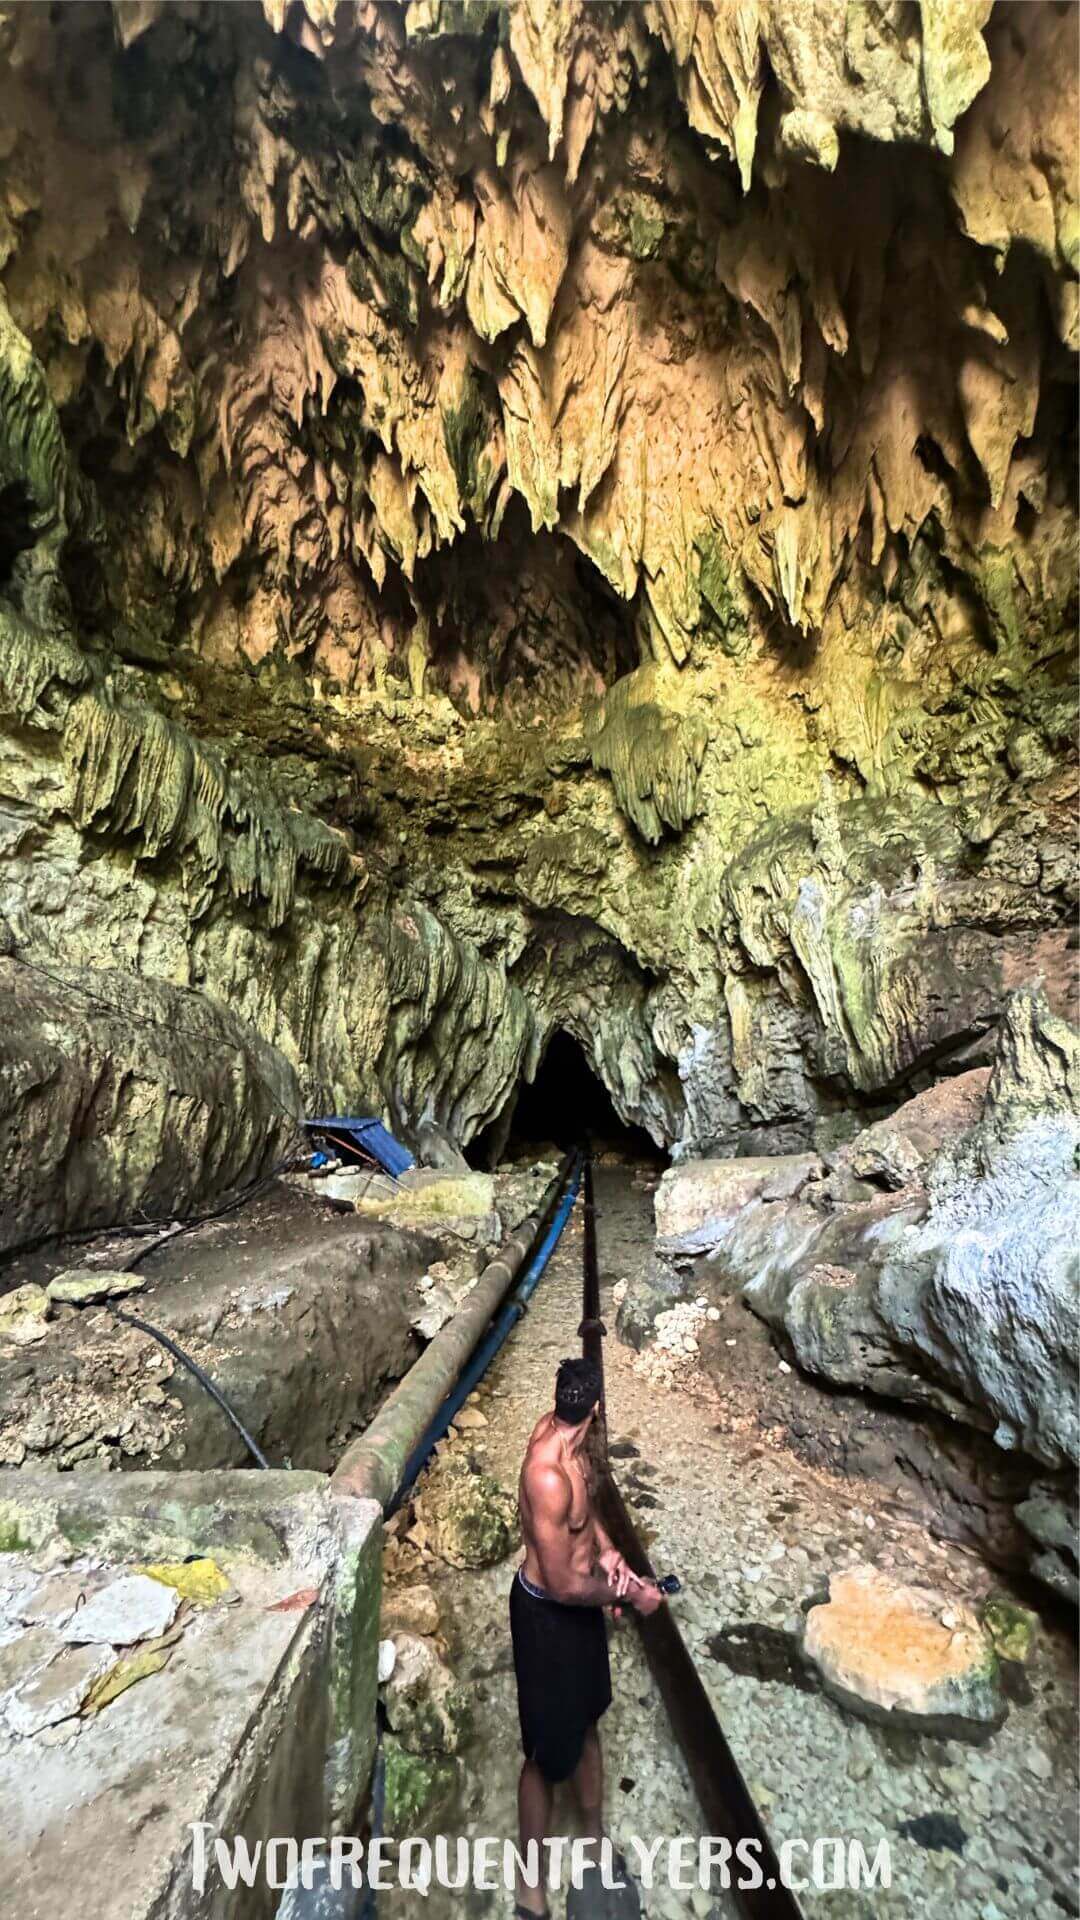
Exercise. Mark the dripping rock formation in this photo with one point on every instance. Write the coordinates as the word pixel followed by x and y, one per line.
pixel 545 517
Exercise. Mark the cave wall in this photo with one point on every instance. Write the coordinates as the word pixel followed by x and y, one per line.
pixel 546 516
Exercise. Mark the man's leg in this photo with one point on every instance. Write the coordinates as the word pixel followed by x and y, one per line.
pixel 589 1786
pixel 535 1800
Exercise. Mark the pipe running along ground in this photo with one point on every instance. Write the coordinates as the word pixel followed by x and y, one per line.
pixel 385 1461
pixel 386 1458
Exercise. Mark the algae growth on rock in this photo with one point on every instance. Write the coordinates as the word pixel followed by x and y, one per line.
pixel 527 519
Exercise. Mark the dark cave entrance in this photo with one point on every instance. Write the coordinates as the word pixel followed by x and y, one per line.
pixel 18 529
pixel 565 1105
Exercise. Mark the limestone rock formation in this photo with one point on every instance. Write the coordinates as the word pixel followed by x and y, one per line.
pixel 933 1259
pixel 699 1202
pixel 905 1655
pixel 960 1290
pixel 1050 1516
pixel 425 1707
pixel 470 1520
pixel 128 1098
pixel 535 517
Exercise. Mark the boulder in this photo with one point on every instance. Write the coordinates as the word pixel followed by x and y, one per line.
pixel 138 1099
pixel 410 1610
pixel 81 1286
pixel 905 1655
pixel 425 1706
pixel 959 1291
pixel 469 1420
pixel 895 1152
pixel 24 1313
pixel 459 1204
pixel 644 1299
pixel 698 1202
pixel 471 1521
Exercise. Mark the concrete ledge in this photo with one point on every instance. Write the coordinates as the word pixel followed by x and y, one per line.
pixel 261 1723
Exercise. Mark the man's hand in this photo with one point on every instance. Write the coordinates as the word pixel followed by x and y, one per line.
pixel 616 1572
pixel 647 1597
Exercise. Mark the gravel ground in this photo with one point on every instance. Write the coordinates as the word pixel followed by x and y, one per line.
pixel 753 1532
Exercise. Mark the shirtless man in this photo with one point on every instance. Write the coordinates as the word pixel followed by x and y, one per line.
pixel 571 1571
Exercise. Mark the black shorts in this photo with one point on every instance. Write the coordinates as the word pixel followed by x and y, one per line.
pixel 563 1676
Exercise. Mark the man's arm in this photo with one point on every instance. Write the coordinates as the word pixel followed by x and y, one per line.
pixel 611 1563
pixel 549 1514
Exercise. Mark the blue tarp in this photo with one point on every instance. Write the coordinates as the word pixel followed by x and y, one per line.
pixel 370 1139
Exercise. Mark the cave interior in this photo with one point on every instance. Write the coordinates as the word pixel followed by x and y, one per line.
pixel 538 602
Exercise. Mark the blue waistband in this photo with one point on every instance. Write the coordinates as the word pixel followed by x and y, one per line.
pixel 538 1593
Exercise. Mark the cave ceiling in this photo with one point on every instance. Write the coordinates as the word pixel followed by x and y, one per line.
pixel 546 515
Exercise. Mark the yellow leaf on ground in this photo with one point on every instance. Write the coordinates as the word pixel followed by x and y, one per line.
pixel 200 1581
pixel 132 1668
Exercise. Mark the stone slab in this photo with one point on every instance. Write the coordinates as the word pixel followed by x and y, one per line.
pixel 81 1286
pixel 57 1690
pixel 129 1609
pixel 698 1201
pixel 249 1725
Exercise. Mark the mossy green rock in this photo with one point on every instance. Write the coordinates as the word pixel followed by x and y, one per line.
pixel 471 1520
pixel 419 1786
pixel 1012 1628
pixel 425 1706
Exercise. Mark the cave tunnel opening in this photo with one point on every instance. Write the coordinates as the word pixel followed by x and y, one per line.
pixel 566 1104
pixel 17 527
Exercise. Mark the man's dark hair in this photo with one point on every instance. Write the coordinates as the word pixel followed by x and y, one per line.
pixel 577 1390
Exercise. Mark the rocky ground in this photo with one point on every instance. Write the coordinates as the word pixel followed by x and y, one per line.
pixel 299 1312
pixel 734 1474
pixel 304 1305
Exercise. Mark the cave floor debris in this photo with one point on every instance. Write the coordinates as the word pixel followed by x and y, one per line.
pixel 299 1312
pixel 753 1532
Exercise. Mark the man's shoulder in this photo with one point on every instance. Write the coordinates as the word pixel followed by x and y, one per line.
pixel 545 1480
